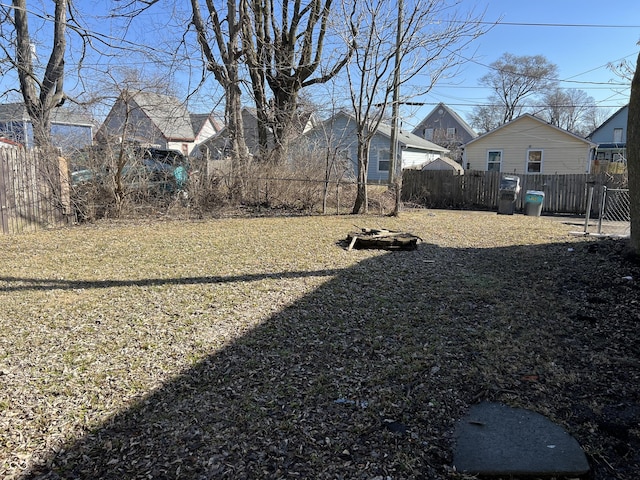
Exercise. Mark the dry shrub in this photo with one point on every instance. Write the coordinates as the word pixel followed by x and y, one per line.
pixel 300 185
pixel 381 199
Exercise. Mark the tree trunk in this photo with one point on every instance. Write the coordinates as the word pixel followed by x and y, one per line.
pixel 284 49
pixel 41 97
pixel 254 57
pixel 227 39
pixel 286 105
pixel 361 204
pixel 633 158
pixel 239 150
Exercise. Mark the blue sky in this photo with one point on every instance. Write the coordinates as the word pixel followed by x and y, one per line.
pixel 580 52
pixel 580 37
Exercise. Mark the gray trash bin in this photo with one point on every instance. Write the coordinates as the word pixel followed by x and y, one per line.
pixel 508 194
pixel 533 201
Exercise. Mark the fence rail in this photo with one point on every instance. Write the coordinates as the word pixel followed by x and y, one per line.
pixel 567 194
pixel 34 191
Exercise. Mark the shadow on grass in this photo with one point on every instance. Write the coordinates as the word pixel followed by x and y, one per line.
pixel 15 284
pixel 366 376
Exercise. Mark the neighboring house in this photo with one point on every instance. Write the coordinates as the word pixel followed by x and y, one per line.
pixel 339 134
pixel 149 119
pixel 205 126
pixel 444 127
pixel 528 144
pixel 69 129
pixel 217 147
pixel 611 138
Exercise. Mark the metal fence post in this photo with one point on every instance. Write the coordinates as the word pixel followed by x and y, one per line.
pixel 588 215
pixel 602 208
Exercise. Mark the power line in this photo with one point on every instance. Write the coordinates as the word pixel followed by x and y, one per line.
pixel 422 104
pixel 558 25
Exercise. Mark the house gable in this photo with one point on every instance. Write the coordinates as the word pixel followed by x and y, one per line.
pixel 529 145
pixel 128 122
pixel 149 119
pixel 445 127
pixel 205 126
pixel 168 114
pixel 606 133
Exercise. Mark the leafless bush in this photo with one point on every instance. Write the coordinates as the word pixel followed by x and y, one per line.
pixel 111 181
pixel 210 185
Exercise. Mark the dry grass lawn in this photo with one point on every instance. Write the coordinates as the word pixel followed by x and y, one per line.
pixel 261 348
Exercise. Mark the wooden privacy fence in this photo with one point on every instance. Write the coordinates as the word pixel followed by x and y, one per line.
pixel 34 190
pixel 480 190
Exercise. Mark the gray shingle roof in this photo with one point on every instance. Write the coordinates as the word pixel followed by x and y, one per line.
pixel 17 111
pixel 410 140
pixel 167 113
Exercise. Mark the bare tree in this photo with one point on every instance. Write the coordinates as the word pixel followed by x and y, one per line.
pixel 624 69
pixel 485 118
pixel 568 109
pixel 283 50
pixel 515 79
pixel 219 37
pixel 424 44
pixel 633 158
pixel 594 118
pixel 42 89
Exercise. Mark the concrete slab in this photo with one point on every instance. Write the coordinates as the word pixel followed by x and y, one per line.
pixel 494 440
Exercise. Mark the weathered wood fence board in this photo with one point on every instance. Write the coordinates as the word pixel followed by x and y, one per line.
pixel 477 189
pixel 34 190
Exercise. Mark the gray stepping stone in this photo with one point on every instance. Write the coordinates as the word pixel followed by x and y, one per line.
pixel 494 439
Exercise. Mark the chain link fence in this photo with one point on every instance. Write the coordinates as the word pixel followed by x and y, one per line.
pixel 614 216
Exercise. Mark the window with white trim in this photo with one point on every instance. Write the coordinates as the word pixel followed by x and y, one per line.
pixel 494 160
pixel 617 135
pixel 451 132
pixel 384 155
pixel 428 133
pixel 534 161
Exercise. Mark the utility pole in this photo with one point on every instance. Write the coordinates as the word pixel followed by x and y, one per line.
pixel 394 162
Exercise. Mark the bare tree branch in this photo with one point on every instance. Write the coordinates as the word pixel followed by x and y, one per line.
pixel 40 96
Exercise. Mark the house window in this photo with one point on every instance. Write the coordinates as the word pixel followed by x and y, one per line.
pixel 428 133
pixel 617 135
pixel 618 157
pixel 534 161
pixel 451 132
pixel 494 160
pixel 383 159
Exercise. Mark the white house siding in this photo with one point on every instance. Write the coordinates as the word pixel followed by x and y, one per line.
pixel 184 147
pixel 563 153
pixel 413 159
pixel 207 131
